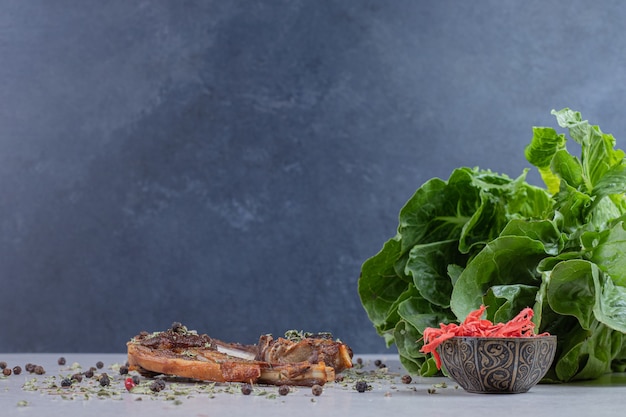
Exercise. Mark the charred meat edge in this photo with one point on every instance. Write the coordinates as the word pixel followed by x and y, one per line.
pixel 182 353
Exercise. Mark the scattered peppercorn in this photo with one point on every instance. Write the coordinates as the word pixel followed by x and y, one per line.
pixel 177 326
pixel 359 361
pixel 157 386
pixel 39 370
pixel 88 373
pixel 377 362
pixel 123 370
pixel 316 390
pixel 246 389
pixel 136 380
pixel 6 371
pixel 129 384
pixel 77 377
pixel 283 390
pixel 105 380
pixel 3 365
pixel 29 368
pixel 66 382
pixel 61 361
pixel 361 386
pixel 406 379
pixel 17 370
pixel 99 365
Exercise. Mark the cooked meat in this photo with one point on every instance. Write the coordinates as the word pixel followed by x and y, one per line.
pixel 310 349
pixel 183 353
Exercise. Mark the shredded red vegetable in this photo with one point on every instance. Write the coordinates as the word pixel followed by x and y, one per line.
pixel 473 326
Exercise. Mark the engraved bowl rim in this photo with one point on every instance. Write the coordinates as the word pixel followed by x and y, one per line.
pixel 505 338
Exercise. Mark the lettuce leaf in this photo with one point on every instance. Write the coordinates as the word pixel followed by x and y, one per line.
pixel 481 237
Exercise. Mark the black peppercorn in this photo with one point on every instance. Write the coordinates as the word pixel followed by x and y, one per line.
pixel 361 386
pixel 39 370
pixel 104 380
pixel 377 362
pixel 29 367
pixel 406 379
pixel 6 371
pixel 3 365
pixel 157 386
pixel 61 361
pixel 283 390
pixel 246 389
pixel 77 377
pixel 88 373
pixel 17 370
pixel 123 370
pixel 99 365
pixel 136 380
pixel 316 390
pixel 66 382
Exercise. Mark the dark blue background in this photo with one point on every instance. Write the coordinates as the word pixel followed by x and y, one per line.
pixel 231 164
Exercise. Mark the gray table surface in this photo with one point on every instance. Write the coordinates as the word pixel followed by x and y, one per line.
pixel 41 395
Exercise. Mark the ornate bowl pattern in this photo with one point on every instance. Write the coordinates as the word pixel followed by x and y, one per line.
pixel 498 365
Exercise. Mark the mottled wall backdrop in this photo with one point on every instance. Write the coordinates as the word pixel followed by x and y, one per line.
pixel 231 164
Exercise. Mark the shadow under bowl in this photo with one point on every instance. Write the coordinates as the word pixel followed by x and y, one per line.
pixel 498 364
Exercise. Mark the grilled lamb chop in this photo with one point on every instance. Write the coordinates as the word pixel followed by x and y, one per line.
pixel 183 353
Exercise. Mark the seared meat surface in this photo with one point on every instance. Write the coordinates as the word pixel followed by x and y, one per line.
pixel 179 352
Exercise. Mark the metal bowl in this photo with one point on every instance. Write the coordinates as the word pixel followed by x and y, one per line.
pixel 497 364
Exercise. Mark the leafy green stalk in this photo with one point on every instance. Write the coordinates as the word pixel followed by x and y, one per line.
pixel 484 238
